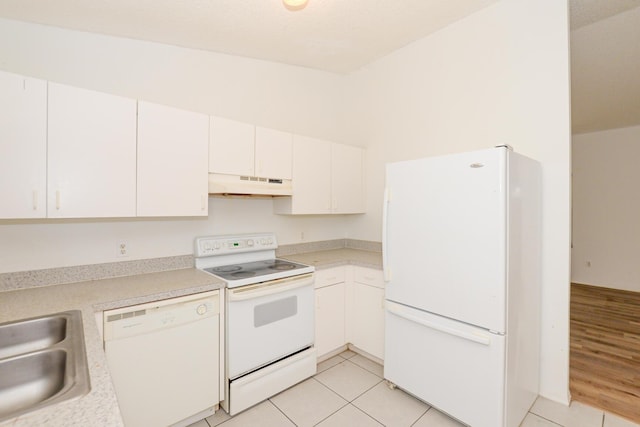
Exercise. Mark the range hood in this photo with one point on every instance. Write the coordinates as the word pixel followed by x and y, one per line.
pixel 230 185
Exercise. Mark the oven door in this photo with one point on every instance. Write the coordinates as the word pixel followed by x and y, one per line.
pixel 268 321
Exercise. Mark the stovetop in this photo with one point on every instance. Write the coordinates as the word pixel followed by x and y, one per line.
pixel 244 259
pixel 255 269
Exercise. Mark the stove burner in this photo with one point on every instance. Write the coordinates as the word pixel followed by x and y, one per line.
pixel 227 268
pixel 282 266
pixel 243 274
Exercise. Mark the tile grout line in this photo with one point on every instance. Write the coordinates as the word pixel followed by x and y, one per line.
pixel 355 398
pixel 333 413
pixel 421 415
pixel 546 419
pixel 360 366
pixel 281 411
pixel 368 415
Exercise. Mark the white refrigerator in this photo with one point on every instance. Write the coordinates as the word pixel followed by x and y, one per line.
pixel 461 255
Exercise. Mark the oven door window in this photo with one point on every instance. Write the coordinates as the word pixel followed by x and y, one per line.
pixel 264 329
pixel 270 312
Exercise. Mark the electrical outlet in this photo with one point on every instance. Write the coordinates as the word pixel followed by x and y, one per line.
pixel 122 249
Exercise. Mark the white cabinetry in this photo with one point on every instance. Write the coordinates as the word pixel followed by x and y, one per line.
pixel 246 150
pixel 172 161
pixel 365 308
pixel 327 178
pixel 231 147
pixel 330 310
pixel 311 179
pixel 273 153
pixel 23 147
pixel 91 154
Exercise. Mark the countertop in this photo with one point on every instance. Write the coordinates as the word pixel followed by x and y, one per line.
pixel 99 407
pixel 336 257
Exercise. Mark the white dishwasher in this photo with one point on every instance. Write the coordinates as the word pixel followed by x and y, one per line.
pixel 164 359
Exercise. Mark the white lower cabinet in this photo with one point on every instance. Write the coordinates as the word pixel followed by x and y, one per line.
pixel 350 310
pixel 330 313
pixel 330 310
pixel 367 319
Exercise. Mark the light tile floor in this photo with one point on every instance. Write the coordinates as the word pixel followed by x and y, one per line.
pixel 348 391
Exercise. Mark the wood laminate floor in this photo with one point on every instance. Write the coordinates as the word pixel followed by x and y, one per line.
pixel 605 349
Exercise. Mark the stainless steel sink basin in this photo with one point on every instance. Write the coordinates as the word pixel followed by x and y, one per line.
pixel 30 335
pixel 42 362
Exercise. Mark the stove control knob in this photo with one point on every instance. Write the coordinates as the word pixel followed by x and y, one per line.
pixel 250 242
pixel 263 241
pixel 216 245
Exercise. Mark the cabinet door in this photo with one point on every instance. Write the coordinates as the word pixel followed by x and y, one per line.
pixel 347 179
pixel 23 147
pixel 172 161
pixel 92 154
pixel 367 319
pixel 231 147
pixel 273 153
pixel 330 316
pixel 311 176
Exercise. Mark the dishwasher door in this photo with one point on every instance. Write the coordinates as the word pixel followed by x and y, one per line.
pixel 164 359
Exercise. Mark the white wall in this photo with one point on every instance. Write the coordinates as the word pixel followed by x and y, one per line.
pixel 606 209
pixel 500 76
pixel 284 97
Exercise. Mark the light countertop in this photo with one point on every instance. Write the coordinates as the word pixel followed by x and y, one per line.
pixel 99 407
pixel 336 257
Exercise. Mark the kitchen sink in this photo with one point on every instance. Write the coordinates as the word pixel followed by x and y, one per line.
pixel 29 335
pixel 42 362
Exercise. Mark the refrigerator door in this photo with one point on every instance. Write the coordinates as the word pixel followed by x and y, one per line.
pixel 457 368
pixel 444 237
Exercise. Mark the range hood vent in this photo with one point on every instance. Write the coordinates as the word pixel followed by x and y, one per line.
pixel 230 185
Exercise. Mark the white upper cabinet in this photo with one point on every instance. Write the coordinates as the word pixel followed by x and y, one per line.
pixel 172 161
pixel 246 150
pixel 23 147
pixel 231 147
pixel 311 178
pixel 91 154
pixel 273 153
pixel 347 179
pixel 327 179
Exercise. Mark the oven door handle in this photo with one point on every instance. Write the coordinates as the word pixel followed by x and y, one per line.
pixel 269 288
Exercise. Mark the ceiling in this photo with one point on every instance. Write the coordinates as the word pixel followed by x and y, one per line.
pixel 341 36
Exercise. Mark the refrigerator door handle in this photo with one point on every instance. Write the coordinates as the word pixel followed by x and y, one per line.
pixel 399 311
pixel 385 261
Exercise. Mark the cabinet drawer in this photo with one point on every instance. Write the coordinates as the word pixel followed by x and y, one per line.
pixel 329 276
pixel 368 276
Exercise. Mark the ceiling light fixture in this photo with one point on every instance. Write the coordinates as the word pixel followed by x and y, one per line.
pixel 295 4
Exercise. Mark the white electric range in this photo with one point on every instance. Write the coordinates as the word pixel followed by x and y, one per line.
pixel 270 316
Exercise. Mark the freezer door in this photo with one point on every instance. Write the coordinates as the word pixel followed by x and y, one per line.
pixel 457 368
pixel 444 237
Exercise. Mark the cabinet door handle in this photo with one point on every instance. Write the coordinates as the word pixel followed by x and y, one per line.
pixel 203 202
pixel 58 199
pixel 35 200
